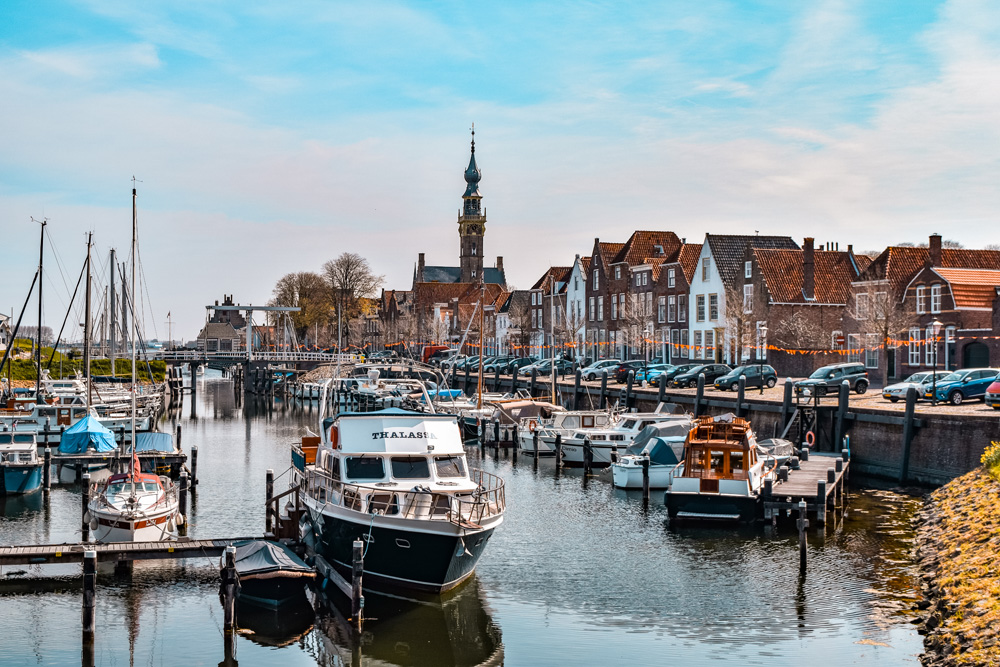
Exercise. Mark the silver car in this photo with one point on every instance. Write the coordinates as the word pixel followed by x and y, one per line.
pixel 919 381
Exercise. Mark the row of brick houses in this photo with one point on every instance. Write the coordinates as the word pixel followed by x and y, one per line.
pixel 725 298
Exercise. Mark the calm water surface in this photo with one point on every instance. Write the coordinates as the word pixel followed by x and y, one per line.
pixel 578 573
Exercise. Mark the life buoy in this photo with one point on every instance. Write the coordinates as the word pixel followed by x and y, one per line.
pixel 334 437
pixel 810 438
pixel 532 425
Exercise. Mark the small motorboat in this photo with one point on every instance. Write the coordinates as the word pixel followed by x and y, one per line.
pixel 663 443
pixel 270 573
pixel 20 467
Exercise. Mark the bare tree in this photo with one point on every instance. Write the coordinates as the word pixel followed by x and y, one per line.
pixel 308 291
pixel 350 279
pixel 739 320
pixel 881 313
pixel 634 322
pixel 519 332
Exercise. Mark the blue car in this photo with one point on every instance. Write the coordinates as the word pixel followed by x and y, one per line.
pixel 963 385
pixel 651 371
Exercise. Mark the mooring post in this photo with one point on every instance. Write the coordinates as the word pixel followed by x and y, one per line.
pixel 182 499
pixel 48 427
pixel 700 395
pixel 786 404
pixel 268 494
pixel 89 595
pixel 604 391
pixel 843 398
pixel 177 436
pixel 47 469
pixel 614 453
pixel 911 404
pixel 465 387
pixel 741 392
pixel 645 480
pixel 229 590
pixel 802 523
pixel 496 429
pixel 194 466
pixel 558 446
pixel 661 390
pixel 358 567
pixel 588 456
pixel 783 473
pixel 821 503
pixel 628 390
pixel 534 381
pixel 577 379
pixel 86 506
pixel 496 376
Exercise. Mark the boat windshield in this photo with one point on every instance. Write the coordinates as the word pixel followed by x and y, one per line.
pixel 449 466
pixel 410 467
pixel 365 468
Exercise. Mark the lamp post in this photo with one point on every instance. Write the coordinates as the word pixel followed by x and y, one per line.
pixel 936 328
pixel 761 341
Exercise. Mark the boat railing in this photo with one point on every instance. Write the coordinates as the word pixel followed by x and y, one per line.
pixel 98 497
pixel 467 508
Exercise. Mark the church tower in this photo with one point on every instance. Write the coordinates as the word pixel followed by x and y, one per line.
pixel 471 223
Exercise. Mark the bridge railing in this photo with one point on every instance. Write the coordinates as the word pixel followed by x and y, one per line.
pixel 241 355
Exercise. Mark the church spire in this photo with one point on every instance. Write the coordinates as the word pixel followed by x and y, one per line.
pixel 472 174
pixel 472 222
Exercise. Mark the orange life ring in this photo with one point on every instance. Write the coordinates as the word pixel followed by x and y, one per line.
pixel 810 438
pixel 532 425
pixel 334 437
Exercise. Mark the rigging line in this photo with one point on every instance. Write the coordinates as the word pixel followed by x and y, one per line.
pixel 58 258
pixel 145 287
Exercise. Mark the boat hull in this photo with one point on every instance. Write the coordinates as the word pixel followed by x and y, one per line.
pixel 572 454
pixel 546 444
pixel 398 557
pixel 272 592
pixel 630 476
pixel 149 527
pixel 20 479
pixel 709 507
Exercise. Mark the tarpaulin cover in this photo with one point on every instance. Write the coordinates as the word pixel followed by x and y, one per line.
pixel 154 442
pixel 87 433
pixel 259 556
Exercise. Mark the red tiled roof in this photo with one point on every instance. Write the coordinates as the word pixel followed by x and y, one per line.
pixel 972 288
pixel 783 275
pixel 897 264
pixel 688 259
pixel 560 273
pixel 585 266
pixel 642 244
pixel 608 251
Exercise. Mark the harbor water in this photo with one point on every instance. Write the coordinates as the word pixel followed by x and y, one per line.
pixel 579 573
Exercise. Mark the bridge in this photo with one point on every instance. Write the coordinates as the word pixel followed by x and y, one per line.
pixel 241 356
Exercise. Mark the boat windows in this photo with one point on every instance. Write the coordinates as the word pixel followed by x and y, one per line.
pixel 588 421
pixel 332 466
pixel 449 466
pixel 365 468
pixel 116 489
pixel 383 503
pixel 629 424
pixel 410 467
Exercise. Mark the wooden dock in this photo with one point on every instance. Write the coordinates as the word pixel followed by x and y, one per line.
pixel 819 481
pixel 116 551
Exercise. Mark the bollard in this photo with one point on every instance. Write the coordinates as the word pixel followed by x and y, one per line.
pixel 89 594
pixel 645 480
pixel 588 456
pixel 840 465
pixel 86 506
pixel 496 429
pixel 831 475
pixel 357 600
pixel 558 450
pixel 628 391
pixel 614 453
pixel 820 503
pixel 534 381
pixel 534 444
pixel 741 392
pixel 268 494
pixel 47 470
pixel 661 391
pixel 843 397
pixel 783 473
pixel 804 454
pixel 699 395
pixel 182 501
pixel 911 404
pixel 802 523
pixel 786 404
pixel 576 388
pixel 229 580
pixel 177 436
pixel 768 487
pixel 48 427
pixel 194 467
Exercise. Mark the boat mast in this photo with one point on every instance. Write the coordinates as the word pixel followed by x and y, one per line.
pixel 552 333
pixel 132 333
pixel 482 308
pixel 112 343
pixel 86 327
pixel 38 346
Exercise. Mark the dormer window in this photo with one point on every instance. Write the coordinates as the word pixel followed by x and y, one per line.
pixel 618 272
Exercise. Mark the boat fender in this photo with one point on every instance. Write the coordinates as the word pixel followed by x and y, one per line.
pixel 93 523
pixel 334 437
pixel 810 438
pixel 532 425
pixel 87 517
pixel 179 518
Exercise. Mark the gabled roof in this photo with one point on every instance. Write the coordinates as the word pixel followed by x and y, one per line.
pixel 559 273
pixel 219 330
pixel 517 299
pixel 643 244
pixel 428 294
pixel 585 265
pixel 452 274
pixel 608 251
pixel 688 259
pixel 783 274
pixel 728 251
pixel 972 288
pixel 898 264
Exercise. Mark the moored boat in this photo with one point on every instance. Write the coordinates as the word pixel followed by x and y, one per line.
pixel 270 573
pixel 20 467
pixel 663 444
pixel 550 423
pixel 617 436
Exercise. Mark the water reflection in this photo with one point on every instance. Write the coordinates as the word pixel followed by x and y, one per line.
pixel 275 627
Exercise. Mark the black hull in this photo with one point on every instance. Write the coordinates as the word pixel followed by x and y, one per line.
pixel 397 558
pixel 710 507
pixel 272 592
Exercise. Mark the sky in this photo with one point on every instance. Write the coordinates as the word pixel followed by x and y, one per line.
pixel 269 137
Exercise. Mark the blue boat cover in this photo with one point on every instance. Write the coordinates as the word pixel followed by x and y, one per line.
pixel 154 442
pixel 87 433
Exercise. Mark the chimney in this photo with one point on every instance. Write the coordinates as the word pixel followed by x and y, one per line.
pixel 808 270
pixel 499 263
pixel 420 268
pixel 934 249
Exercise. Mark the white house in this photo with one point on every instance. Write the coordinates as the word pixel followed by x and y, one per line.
pixel 576 302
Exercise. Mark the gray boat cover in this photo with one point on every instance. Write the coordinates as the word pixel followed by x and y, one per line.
pixel 87 433
pixel 776 447
pixel 259 556
pixel 154 442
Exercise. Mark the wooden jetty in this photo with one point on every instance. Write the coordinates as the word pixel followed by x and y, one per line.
pixel 116 551
pixel 819 481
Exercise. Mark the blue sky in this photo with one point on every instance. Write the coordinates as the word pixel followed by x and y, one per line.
pixel 270 137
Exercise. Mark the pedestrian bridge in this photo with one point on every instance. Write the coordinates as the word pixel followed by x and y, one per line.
pixel 241 356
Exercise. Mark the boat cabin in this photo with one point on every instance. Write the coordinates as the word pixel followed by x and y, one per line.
pixel 718 451
pixel 18 448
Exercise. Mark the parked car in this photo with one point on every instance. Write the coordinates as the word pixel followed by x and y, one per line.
pixel 689 378
pixel 621 372
pixel 593 371
pixel 921 381
pixel 454 361
pixel 382 355
pixel 753 374
pixel 992 398
pixel 963 385
pixel 651 371
pixel 434 354
pixel 520 362
pixel 827 379
pixel 544 367
pixel 501 362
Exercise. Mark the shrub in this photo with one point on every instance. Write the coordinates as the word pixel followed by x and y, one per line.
pixel 991 459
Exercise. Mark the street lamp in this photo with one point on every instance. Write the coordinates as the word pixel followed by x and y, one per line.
pixel 936 328
pixel 761 341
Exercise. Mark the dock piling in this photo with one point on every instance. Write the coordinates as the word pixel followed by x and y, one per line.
pixel 85 513
pixel 614 453
pixel 229 590
pixel 603 403
pixel 645 480
pixel 588 456
pixel 558 446
pixel 357 569
pixel 194 466
pixel 182 498
pixel 741 391
pixel 177 436
pixel 578 377
pixel 89 595
pixel 268 494
pixel 699 396
pixel 47 469
pixel 802 524
pixel 821 503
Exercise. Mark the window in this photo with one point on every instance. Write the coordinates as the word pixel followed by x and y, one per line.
pixel 661 309
pixel 671 308
pixel 671 277
pixel 600 308
pixel 534 319
pixel 473 249
pixel 748 269
pixel 614 308
pixel 709 344
pixel 761 340
pixel 621 303
pixel 365 468
pixel 914 356
pixel 618 273
pixel 576 283
pixel 700 308
pixel 685 348
pixel 638 279
pixel 871 351
pixel 935 298
pixel 861 303
pixel 930 347
pixel 747 298
pixel 675 340
pixel 410 467
pixel 879 303
pixel 699 352
pixel 706 268
pixel 921 306
pixel 597 280
pixel 591 305
pixel 682 307
pixel 713 307
pixel 645 278
pixel 449 466
pixel 853 348
pixel 649 304
pixel 473 273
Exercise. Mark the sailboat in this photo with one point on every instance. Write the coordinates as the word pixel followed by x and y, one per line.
pixel 132 506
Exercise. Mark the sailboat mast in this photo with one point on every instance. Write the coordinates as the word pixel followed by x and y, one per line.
pixel 482 308
pixel 132 332
pixel 38 346
pixel 112 343
pixel 86 327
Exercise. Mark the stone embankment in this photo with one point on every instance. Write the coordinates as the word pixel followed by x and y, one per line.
pixel 958 553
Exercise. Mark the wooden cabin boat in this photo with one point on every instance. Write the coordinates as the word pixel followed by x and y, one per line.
pixel 723 473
